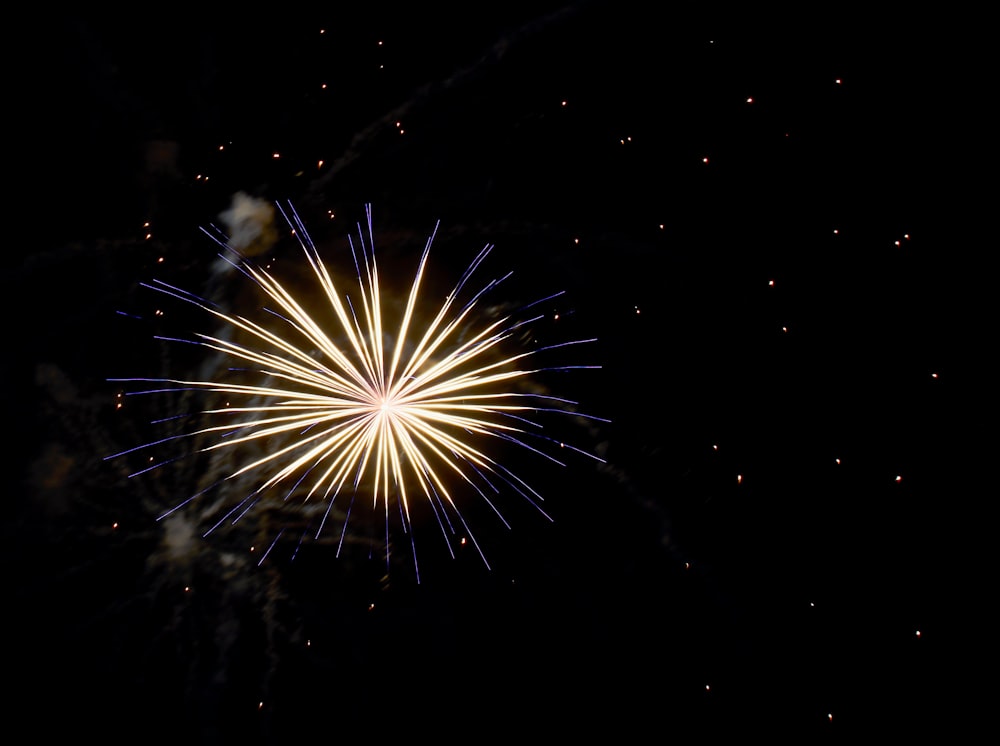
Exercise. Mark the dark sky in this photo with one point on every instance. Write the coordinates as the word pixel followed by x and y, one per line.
pixel 766 224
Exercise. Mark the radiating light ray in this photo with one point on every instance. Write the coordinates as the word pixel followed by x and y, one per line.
pixel 348 411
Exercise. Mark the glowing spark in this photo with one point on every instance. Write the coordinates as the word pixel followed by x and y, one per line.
pixel 360 415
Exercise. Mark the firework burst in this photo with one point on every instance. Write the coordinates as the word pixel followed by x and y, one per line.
pixel 351 412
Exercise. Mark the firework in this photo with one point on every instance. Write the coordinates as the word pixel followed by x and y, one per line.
pixel 352 412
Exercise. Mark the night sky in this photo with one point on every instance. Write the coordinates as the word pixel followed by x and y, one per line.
pixel 766 227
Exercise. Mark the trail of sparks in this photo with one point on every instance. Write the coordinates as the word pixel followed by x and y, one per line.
pixel 361 416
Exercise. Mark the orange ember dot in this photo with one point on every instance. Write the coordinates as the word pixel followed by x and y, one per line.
pixel 770 283
pixel 371 607
pixel 276 155
pixel 187 588
pixel 899 478
pixel 704 160
pixel 563 103
pixel 739 479
pixel 319 164
pixel 750 100
pixel 918 633
pixel 260 705
pixel 934 375
pixel 115 525
pixel 149 236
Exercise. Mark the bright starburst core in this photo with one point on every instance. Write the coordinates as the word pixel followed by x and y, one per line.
pixel 356 415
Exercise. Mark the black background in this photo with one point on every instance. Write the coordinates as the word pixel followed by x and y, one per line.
pixel 723 573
